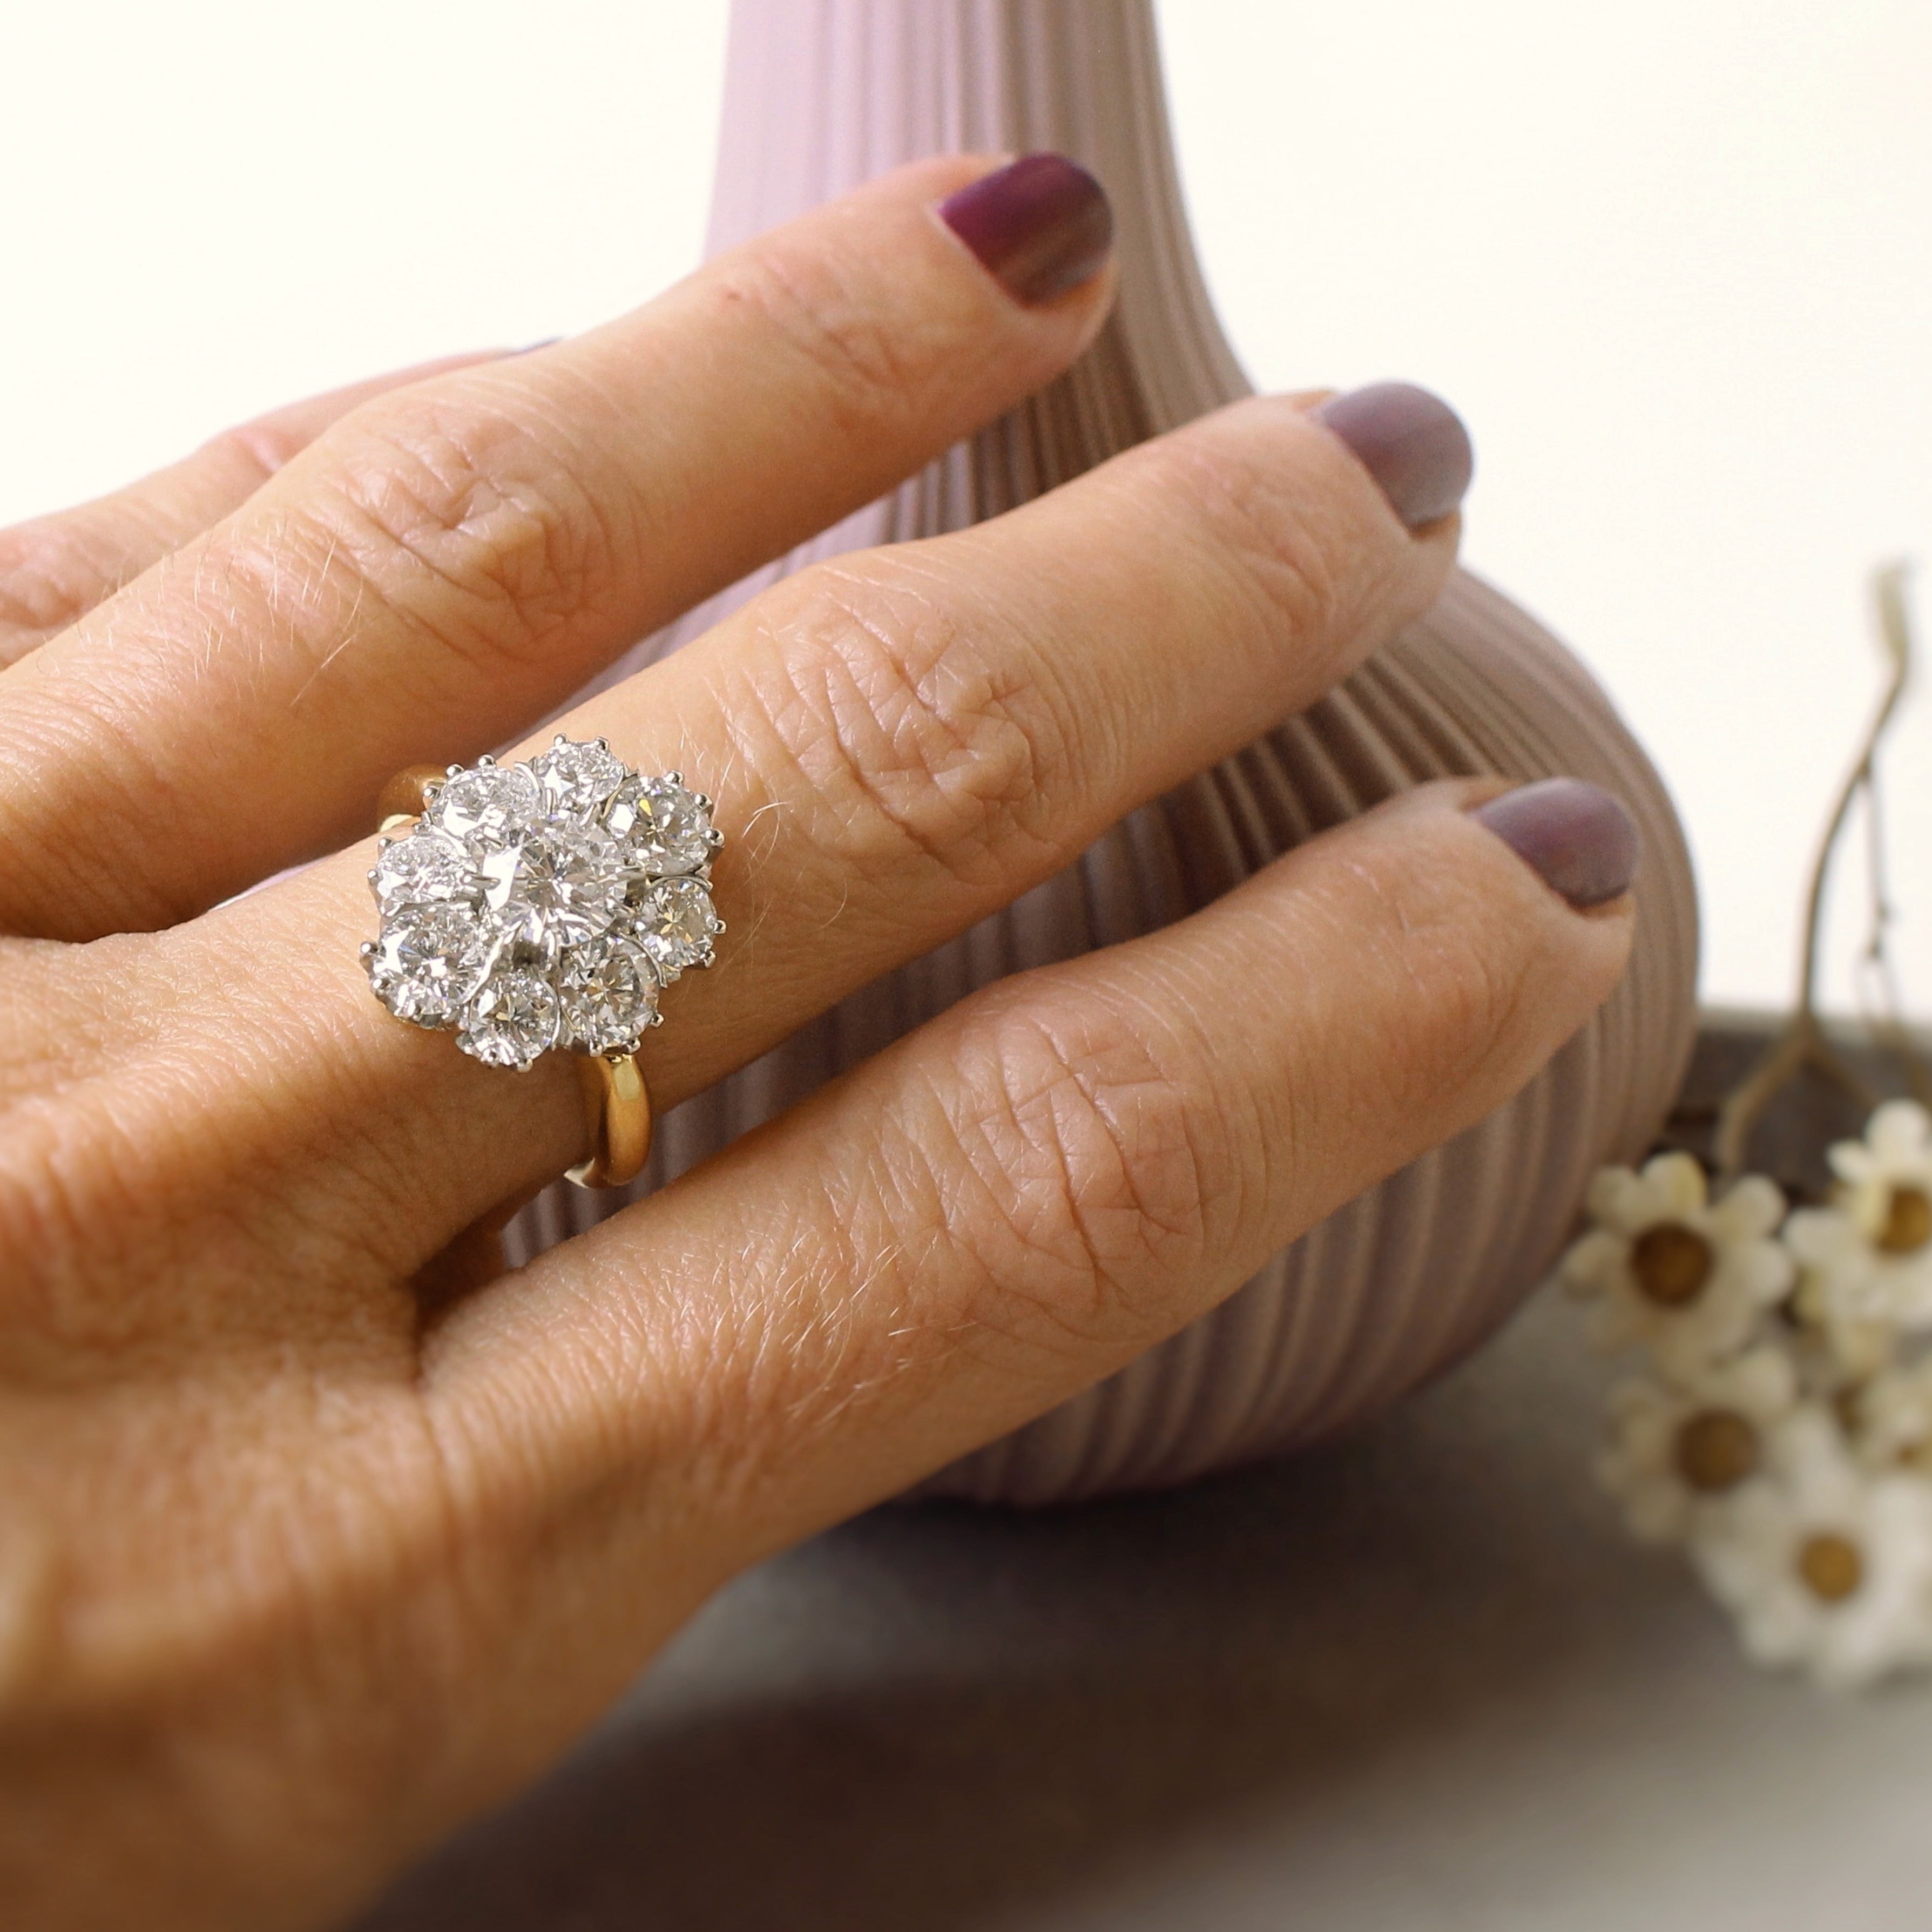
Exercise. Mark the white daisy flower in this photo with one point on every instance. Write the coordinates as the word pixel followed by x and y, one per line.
pixel 1866 1262
pixel 1890 1417
pixel 1674 1450
pixel 1887 1178
pixel 1825 1565
pixel 1672 1271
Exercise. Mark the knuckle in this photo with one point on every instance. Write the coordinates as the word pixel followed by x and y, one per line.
pixel 1290 548
pixel 1475 994
pixel 256 449
pixel 1461 983
pixel 1099 1172
pixel 918 748
pixel 473 525
pixel 869 358
pixel 51 571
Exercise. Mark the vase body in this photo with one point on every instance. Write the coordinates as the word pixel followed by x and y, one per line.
pixel 821 94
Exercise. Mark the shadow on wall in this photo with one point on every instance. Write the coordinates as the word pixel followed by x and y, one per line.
pixel 933 1718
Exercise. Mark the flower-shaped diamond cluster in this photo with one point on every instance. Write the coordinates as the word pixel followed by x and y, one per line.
pixel 545 904
pixel 1781 1430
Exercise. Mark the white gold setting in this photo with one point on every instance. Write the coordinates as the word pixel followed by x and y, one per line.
pixel 545 904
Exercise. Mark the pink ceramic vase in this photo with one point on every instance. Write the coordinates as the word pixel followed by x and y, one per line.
pixel 821 94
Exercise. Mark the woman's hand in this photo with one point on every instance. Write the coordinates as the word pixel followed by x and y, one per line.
pixel 314 1537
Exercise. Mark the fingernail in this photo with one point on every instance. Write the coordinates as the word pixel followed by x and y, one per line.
pixel 1040 226
pixel 1577 839
pixel 1411 441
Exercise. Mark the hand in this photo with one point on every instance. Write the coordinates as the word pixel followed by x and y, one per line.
pixel 319 1532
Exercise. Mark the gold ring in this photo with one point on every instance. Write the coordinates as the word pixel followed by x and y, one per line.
pixel 617 1111
pixel 542 905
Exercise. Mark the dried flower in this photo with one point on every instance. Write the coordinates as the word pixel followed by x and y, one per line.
pixel 1673 1272
pixel 1825 1565
pixel 1675 1450
pixel 1889 1419
pixel 1867 1260
pixel 1793 1457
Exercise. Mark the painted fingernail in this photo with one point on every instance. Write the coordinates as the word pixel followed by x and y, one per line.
pixel 1040 226
pixel 1411 441
pixel 1574 836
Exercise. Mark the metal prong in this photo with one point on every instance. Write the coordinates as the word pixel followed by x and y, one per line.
pixel 559 740
pixel 602 744
pixel 368 947
pixel 673 778
pixel 450 771
pixel 714 838
pixel 717 924
pixel 702 800
pixel 486 760
pixel 657 1019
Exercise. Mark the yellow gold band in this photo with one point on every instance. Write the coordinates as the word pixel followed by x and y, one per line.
pixel 617 1110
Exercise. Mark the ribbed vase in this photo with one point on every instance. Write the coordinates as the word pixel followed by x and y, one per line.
pixel 821 94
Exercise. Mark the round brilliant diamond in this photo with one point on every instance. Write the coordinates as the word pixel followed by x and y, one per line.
pixel 563 883
pixel 422 869
pixel 664 828
pixel 579 777
pixel 487 802
pixel 610 991
pixel 512 1019
pixel 674 925
pixel 427 963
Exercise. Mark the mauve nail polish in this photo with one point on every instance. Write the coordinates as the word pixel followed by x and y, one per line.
pixel 1041 225
pixel 1411 441
pixel 1573 835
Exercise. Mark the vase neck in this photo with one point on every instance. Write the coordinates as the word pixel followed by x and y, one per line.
pixel 822 95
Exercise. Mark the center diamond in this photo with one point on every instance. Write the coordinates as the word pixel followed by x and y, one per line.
pixel 557 886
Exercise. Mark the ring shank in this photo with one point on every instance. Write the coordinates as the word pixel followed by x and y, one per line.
pixel 617 1110
pixel 405 795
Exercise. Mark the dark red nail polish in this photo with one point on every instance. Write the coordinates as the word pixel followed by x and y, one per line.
pixel 1041 225
pixel 1411 441
pixel 1577 839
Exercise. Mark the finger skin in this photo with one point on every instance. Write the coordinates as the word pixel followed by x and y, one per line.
pixel 55 569
pixel 445 566
pixel 899 746
pixel 1038 1185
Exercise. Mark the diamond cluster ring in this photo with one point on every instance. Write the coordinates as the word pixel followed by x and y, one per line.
pixel 546 903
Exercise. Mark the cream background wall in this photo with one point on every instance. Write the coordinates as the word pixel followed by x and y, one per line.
pixel 1672 260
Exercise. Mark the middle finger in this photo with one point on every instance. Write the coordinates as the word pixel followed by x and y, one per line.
pixel 902 743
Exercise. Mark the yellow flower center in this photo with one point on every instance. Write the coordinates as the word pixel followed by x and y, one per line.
pixel 1832 1567
pixel 1716 1449
pixel 1908 1222
pixel 1671 1263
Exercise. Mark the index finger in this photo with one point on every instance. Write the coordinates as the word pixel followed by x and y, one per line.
pixel 55 569
pixel 449 564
